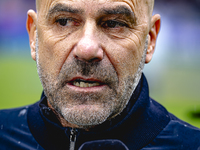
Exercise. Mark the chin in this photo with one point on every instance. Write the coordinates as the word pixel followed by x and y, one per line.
pixel 86 115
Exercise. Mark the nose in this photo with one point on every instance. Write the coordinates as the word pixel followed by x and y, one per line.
pixel 88 47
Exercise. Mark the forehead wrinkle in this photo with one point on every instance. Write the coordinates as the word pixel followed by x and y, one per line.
pixel 143 9
pixel 144 4
pixel 135 5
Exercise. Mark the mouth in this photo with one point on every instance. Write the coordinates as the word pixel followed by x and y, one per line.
pixel 85 83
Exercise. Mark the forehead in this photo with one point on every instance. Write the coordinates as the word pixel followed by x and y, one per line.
pixel 135 5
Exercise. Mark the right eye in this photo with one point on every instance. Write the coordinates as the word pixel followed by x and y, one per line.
pixel 67 22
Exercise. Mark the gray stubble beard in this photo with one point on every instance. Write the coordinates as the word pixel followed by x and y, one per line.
pixel 111 104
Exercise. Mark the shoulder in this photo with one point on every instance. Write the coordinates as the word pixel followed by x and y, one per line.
pixel 177 135
pixel 183 130
pixel 16 113
pixel 13 117
pixel 14 130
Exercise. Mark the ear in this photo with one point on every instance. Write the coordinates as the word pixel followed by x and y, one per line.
pixel 153 34
pixel 31 29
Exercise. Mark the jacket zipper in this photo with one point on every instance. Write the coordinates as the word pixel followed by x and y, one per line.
pixel 72 139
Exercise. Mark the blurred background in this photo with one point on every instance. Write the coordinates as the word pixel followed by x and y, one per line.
pixel 173 74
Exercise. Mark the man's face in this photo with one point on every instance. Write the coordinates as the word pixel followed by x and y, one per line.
pixel 90 55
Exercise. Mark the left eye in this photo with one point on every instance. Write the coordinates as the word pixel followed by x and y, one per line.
pixel 66 22
pixel 113 24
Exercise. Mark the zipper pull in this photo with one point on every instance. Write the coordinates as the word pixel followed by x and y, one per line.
pixel 72 139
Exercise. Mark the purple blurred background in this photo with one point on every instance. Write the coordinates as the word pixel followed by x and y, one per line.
pixel 13 35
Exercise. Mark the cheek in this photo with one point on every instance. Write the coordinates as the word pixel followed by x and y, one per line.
pixel 53 51
pixel 125 55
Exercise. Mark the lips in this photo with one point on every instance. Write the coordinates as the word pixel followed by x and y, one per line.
pixel 85 83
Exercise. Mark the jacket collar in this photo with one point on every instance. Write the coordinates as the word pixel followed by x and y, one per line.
pixel 139 123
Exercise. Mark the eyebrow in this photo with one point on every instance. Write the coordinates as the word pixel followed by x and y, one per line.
pixel 63 8
pixel 122 10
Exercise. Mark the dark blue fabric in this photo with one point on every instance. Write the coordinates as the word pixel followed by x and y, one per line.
pixel 14 131
pixel 103 145
pixel 144 124
pixel 177 136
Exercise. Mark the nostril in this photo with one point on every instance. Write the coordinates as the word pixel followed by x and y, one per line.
pixel 76 56
pixel 88 55
pixel 88 60
pixel 94 60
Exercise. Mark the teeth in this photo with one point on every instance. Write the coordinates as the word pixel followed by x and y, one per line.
pixel 85 84
pixel 82 84
pixel 77 84
pixel 96 84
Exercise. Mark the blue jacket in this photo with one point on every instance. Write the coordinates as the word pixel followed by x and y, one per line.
pixel 144 124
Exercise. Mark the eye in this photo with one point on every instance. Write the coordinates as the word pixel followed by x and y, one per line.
pixel 113 24
pixel 67 22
